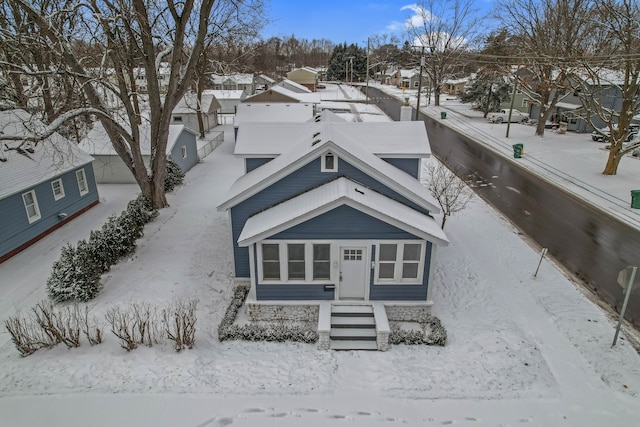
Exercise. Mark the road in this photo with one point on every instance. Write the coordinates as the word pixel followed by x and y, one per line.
pixel 589 242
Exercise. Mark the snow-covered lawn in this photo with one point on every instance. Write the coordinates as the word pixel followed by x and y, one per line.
pixel 519 350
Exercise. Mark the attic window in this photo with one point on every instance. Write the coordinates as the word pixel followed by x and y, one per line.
pixel 177 118
pixel 329 163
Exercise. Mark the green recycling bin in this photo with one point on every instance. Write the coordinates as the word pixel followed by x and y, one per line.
pixel 443 114
pixel 635 199
pixel 518 149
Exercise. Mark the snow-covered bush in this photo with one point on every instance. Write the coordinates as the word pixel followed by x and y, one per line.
pixel 437 333
pixel 279 331
pixel 174 177
pixel 75 276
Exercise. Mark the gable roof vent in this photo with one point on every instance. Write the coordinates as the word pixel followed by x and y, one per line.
pixel 316 134
pixel 315 142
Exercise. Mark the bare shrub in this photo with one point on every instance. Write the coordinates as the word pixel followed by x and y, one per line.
pixel 61 326
pixel 90 328
pixel 147 322
pixel 451 192
pixel 123 326
pixel 180 323
pixel 26 335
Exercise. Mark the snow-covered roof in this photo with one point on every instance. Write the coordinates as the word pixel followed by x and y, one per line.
pixel 457 81
pixel 325 198
pixel 384 139
pixel 51 157
pixel 189 103
pixel 97 141
pixel 240 78
pixel 275 112
pixel 408 73
pixel 348 147
pixel 266 78
pixel 227 94
pixel 326 116
pixel 312 97
pixel 293 86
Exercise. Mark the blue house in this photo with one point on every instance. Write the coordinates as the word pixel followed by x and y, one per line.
pixel 334 211
pixel 182 148
pixel 42 186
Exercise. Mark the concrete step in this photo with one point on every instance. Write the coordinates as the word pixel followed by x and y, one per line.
pixel 349 322
pixel 353 333
pixel 351 310
pixel 353 345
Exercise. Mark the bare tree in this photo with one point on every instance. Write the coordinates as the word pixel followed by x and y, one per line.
pixel 130 34
pixel 443 28
pixel 451 192
pixel 611 72
pixel 548 34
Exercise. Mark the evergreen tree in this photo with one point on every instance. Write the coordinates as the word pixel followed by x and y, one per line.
pixel 488 91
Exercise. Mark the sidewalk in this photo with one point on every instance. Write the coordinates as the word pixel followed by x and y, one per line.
pixel 570 160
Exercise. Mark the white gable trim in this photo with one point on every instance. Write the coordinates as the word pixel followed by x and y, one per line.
pixel 333 195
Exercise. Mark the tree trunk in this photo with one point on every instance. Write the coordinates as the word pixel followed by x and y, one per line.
pixel 436 96
pixel 613 161
pixel 200 89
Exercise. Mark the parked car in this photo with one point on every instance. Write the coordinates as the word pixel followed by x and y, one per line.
pixel 503 116
pixel 634 140
pixel 603 134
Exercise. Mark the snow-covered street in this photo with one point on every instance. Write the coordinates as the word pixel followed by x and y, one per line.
pixel 520 350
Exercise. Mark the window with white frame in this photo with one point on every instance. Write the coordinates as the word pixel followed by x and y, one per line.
pixel 399 262
pixel 58 189
pixel 298 262
pixel 329 162
pixel 31 206
pixel 82 182
pixel 184 152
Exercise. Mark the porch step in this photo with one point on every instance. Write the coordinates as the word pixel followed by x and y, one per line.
pixel 353 327
pixel 357 334
pixel 353 345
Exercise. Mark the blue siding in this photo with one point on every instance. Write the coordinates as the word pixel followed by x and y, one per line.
pixel 188 140
pixel 253 163
pixel 344 222
pixel 410 166
pixel 402 292
pixel 16 229
pixel 299 181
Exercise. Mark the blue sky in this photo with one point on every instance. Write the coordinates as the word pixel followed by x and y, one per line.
pixel 350 21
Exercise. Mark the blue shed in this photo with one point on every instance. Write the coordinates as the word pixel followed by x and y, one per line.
pixel 43 185
pixel 328 216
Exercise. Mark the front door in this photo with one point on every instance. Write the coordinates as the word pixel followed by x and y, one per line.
pixel 353 272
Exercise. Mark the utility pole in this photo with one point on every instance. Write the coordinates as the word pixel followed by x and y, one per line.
pixel 513 98
pixel 351 59
pixel 420 83
pixel 366 91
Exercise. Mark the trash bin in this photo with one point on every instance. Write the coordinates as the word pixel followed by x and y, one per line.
pixel 518 150
pixel 443 114
pixel 635 199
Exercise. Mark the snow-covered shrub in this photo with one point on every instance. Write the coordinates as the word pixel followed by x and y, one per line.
pixel 437 333
pixel 179 320
pixel 279 331
pixel 75 276
pixel 174 177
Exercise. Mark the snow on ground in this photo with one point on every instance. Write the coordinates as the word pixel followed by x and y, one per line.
pixel 520 350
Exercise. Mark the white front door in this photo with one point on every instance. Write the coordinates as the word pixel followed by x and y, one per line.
pixel 353 272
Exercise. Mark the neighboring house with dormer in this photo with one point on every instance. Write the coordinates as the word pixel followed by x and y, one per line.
pixel 140 76
pixel 182 148
pixel 186 112
pixel 43 185
pixel 334 216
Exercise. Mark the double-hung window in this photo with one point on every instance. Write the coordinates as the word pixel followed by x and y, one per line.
pixel 31 206
pixel 400 262
pixel 82 182
pixel 58 189
pixel 295 262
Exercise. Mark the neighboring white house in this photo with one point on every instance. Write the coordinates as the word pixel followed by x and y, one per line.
pixel 239 81
pixel 109 167
pixel 164 72
pixel 228 99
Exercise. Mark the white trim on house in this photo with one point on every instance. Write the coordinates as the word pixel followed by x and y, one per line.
pixel 325 198
pixel 30 201
pixel 349 150
pixel 329 162
pixel 283 262
pixel 57 188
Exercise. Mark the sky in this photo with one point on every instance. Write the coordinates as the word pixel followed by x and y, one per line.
pixel 351 21
pixel 521 351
